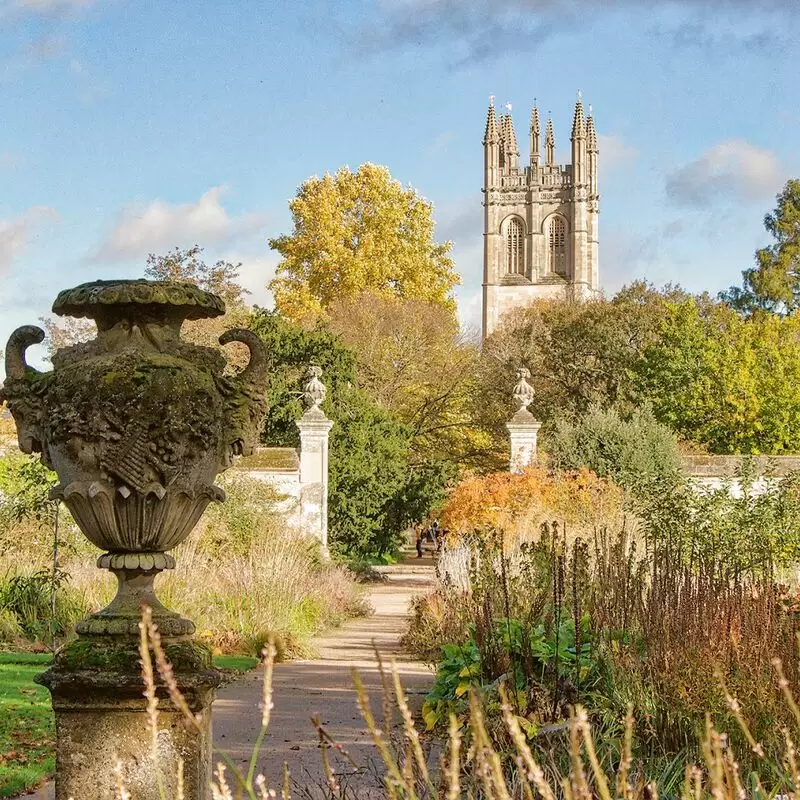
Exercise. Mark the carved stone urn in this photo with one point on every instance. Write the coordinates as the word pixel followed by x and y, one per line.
pixel 137 424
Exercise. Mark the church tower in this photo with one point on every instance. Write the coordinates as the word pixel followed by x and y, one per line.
pixel 540 221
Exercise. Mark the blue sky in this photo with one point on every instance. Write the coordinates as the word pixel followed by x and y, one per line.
pixel 130 128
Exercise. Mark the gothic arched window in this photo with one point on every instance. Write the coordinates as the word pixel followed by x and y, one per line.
pixel 515 248
pixel 557 246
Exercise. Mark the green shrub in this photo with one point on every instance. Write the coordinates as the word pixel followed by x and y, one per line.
pixel 631 452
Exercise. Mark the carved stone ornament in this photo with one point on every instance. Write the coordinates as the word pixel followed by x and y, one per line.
pixel 137 424
pixel 314 391
pixel 523 391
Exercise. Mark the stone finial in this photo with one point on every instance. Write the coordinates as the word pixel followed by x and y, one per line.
pixel 314 391
pixel 523 391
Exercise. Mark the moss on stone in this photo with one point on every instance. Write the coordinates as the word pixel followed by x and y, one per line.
pixel 123 657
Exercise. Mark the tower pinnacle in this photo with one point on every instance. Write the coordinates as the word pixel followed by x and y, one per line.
pixel 591 134
pixel 511 137
pixel 549 144
pixel 491 124
pixel 534 136
pixel 578 123
pixel 535 120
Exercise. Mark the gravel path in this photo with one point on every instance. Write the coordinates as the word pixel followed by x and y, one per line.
pixel 324 686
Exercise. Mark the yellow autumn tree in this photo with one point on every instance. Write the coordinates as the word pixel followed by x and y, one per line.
pixel 357 231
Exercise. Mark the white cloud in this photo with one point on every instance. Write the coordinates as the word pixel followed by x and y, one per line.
pixel 15 233
pixel 731 170
pixel 614 152
pixel 158 226
pixel 256 271
pixel 8 7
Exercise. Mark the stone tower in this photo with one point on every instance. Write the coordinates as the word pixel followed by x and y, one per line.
pixel 540 221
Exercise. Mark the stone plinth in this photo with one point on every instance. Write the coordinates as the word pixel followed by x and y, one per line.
pixel 314 429
pixel 523 430
pixel 102 721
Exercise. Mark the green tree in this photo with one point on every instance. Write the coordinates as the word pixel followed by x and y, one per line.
pixel 773 283
pixel 355 231
pixel 369 470
pixel 290 349
pixel 376 486
pixel 726 381
pixel 580 355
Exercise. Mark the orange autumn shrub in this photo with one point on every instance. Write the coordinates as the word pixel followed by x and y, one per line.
pixel 510 502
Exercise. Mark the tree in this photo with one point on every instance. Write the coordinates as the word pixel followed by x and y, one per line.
pixel 355 231
pixel 187 266
pixel 726 381
pixel 773 283
pixel 579 354
pixel 414 361
pixel 631 452
pixel 370 475
pixel 376 486
pixel 290 349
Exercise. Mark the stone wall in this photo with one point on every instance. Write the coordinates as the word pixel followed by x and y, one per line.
pixel 725 466
pixel 303 489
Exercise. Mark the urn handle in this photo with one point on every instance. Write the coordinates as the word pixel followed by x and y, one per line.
pixel 255 373
pixel 19 341
pixel 247 405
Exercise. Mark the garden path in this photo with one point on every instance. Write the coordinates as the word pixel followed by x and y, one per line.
pixel 324 686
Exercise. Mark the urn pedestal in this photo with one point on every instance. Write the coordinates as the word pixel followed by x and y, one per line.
pixel 137 424
pixel 103 733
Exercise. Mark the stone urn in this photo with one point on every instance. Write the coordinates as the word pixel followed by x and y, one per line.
pixel 137 424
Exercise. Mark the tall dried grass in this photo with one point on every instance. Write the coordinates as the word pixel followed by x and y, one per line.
pixel 243 576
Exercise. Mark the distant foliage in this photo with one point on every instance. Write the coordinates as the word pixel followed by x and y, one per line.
pixel 631 452
pixel 728 382
pixel 579 355
pixel 773 283
pixel 724 380
pixel 413 360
